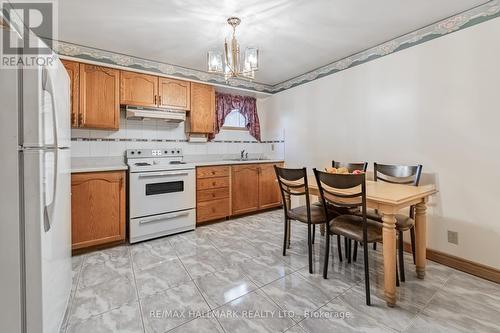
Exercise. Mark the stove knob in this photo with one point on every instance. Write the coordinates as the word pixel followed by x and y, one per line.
pixel 139 152
pixel 178 152
pixel 166 152
pixel 132 152
pixel 173 151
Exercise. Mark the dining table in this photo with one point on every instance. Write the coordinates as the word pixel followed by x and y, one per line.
pixel 389 199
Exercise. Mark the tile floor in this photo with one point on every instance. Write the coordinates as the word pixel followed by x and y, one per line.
pixel 231 277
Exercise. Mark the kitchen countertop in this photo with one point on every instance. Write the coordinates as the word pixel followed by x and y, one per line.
pixel 232 162
pixel 117 163
pixel 96 164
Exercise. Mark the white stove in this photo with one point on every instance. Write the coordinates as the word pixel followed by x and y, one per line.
pixel 162 193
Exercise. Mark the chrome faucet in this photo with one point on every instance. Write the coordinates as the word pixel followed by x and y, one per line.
pixel 242 155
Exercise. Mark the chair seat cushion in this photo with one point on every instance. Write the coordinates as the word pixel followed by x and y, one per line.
pixel 351 226
pixel 338 210
pixel 403 222
pixel 300 214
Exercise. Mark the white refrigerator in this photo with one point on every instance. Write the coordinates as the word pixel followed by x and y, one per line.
pixel 35 184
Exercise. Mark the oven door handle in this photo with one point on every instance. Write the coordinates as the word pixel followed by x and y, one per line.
pixel 162 174
pixel 163 217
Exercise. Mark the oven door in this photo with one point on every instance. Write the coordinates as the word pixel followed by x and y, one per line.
pixel 159 192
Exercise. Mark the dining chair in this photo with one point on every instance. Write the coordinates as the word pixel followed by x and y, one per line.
pixel 348 190
pixel 293 182
pixel 399 174
pixel 351 167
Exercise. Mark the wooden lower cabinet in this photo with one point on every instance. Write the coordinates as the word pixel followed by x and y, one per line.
pixel 269 191
pixel 97 208
pixel 223 191
pixel 245 188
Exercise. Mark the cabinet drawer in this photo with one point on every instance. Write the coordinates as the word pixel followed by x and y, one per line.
pixel 212 210
pixel 144 228
pixel 210 172
pixel 212 194
pixel 210 183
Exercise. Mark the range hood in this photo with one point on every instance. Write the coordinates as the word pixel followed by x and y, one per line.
pixel 171 116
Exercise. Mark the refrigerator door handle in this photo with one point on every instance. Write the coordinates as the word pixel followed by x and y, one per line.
pixel 48 86
pixel 48 210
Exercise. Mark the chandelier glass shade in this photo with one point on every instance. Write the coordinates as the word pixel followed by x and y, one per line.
pixel 229 62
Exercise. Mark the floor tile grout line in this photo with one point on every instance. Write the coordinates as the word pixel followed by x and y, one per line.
pixel 137 291
pixel 196 286
pixel 73 294
pixel 430 299
pixel 110 309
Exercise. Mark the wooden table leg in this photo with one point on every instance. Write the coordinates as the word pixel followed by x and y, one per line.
pixel 421 238
pixel 389 246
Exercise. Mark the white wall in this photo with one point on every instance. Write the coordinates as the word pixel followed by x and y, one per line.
pixel 437 104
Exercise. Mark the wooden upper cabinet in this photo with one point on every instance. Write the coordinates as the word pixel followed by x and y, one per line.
pixel 138 89
pixel 99 97
pixel 269 192
pixel 73 69
pixel 202 115
pixel 97 208
pixel 245 188
pixel 174 94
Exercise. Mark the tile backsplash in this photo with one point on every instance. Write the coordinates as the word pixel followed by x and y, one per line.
pixel 135 134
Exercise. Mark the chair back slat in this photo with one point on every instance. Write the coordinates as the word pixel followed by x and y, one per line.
pixel 342 200
pixel 345 190
pixel 361 166
pixel 293 182
pixel 397 174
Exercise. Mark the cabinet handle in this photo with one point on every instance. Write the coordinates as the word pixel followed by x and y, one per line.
pixel 80 120
pixel 155 100
pixel 73 120
pixel 159 100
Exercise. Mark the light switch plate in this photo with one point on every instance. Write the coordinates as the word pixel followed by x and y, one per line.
pixel 453 237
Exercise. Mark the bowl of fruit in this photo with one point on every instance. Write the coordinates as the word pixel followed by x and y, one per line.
pixel 343 171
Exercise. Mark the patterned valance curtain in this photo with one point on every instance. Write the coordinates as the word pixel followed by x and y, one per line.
pixel 225 103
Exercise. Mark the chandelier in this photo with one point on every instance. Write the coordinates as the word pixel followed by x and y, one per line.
pixel 231 65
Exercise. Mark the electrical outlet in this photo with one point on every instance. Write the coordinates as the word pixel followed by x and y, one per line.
pixel 453 237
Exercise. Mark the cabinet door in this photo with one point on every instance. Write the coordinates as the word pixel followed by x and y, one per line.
pixel 269 192
pixel 73 69
pixel 97 208
pixel 99 97
pixel 202 115
pixel 174 94
pixel 245 188
pixel 138 89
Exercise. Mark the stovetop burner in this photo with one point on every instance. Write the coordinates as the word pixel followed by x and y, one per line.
pixel 147 160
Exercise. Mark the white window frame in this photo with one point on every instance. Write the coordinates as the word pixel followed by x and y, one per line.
pixel 235 127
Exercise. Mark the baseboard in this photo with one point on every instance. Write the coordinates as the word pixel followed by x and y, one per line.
pixel 464 265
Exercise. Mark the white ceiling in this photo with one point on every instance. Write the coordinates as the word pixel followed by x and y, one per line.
pixel 293 36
